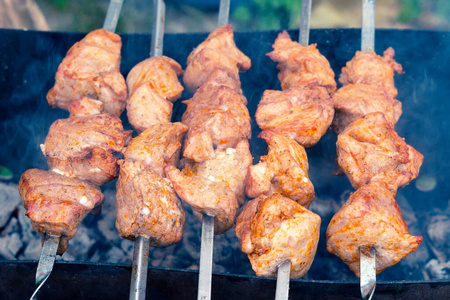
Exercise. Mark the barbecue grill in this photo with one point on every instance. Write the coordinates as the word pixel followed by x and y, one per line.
pixel 29 60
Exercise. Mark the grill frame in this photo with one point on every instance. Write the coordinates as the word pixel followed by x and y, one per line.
pixel 423 55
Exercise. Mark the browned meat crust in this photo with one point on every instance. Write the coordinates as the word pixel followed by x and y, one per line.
pixel 301 113
pixel 370 68
pixel 57 204
pixel 147 205
pixel 370 217
pixel 86 147
pixel 91 68
pixel 369 149
pixel 301 65
pixel 273 229
pixel 355 100
pixel 283 170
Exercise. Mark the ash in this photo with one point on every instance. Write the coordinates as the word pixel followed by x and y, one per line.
pixel 98 241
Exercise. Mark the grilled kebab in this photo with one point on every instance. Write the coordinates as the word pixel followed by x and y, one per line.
pixel 153 86
pixel 91 68
pixel 216 151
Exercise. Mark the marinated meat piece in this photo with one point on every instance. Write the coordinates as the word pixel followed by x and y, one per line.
pixel 283 170
pixel 217 120
pixel 355 100
pixel 91 68
pixel 157 146
pixel 147 205
pixel 301 65
pixel 370 218
pixel 153 86
pixel 369 149
pixel 85 106
pixel 273 229
pixel 160 73
pixel 301 113
pixel 86 147
pixel 57 204
pixel 205 195
pixel 370 68
pixel 218 78
pixel 229 167
pixel 217 51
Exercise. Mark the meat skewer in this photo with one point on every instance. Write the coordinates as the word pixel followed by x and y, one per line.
pixel 376 161
pixel 141 250
pixel 207 240
pixel 284 270
pixel 51 242
pixel 368 260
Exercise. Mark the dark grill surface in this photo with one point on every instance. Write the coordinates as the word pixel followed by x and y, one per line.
pixel 29 60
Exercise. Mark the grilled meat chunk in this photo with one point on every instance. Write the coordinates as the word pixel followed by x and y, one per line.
pixel 91 68
pixel 273 229
pixel 370 68
pixel 85 106
pixel 216 186
pixel 229 167
pixel 147 205
pixel 86 147
pixel 369 149
pixel 283 170
pixel 157 146
pixel 370 218
pixel 153 85
pixel 217 119
pixel 355 100
pixel 57 204
pixel 217 51
pixel 301 65
pixel 301 113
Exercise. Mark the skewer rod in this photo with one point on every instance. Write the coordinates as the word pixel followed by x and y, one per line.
pixel 112 15
pixel 368 26
pixel 283 277
pixel 305 22
pixel 224 12
pixel 140 266
pixel 159 10
pixel 206 256
pixel 46 260
pixel 367 260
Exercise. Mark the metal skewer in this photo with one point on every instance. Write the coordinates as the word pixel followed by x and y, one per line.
pixel 367 259
pixel 51 242
pixel 141 250
pixel 46 261
pixel 284 270
pixel 112 15
pixel 368 275
pixel 207 243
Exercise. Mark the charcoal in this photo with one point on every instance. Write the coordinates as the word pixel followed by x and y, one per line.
pixel 80 244
pixel 32 250
pixel 10 245
pixel 107 222
pixel 9 199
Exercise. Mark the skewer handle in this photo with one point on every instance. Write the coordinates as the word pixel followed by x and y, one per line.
pixel 140 268
pixel 159 10
pixel 283 277
pixel 112 15
pixel 305 23
pixel 206 256
pixel 368 26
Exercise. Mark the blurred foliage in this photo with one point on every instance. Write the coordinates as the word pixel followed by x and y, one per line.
pixel 267 14
pixel 410 11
